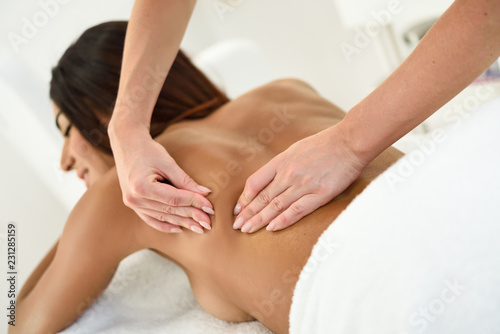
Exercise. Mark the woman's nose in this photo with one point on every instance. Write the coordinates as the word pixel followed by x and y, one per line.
pixel 67 160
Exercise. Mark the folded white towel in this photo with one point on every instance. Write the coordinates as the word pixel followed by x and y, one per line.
pixel 418 251
pixel 150 294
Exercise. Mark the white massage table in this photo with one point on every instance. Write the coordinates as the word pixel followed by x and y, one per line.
pixel 149 294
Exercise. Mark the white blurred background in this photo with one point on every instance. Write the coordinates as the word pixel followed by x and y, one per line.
pixel 344 48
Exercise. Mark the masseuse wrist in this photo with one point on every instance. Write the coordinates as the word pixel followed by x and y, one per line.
pixel 356 139
pixel 338 147
pixel 125 124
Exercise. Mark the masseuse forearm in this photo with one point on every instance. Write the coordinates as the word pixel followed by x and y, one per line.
pixel 460 46
pixel 154 34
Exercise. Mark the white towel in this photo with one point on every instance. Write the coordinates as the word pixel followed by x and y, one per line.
pixel 150 294
pixel 419 250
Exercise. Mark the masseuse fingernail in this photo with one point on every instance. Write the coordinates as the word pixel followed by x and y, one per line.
pixel 208 210
pixel 247 227
pixel 197 229
pixel 237 209
pixel 238 223
pixel 204 189
pixel 271 226
pixel 205 225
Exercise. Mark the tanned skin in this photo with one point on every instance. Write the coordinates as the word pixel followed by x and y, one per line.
pixel 234 276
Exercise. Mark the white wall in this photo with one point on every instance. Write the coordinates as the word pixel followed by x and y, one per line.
pixel 38 214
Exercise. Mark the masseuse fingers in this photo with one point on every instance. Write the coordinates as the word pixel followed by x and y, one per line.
pixel 174 220
pixel 158 225
pixel 158 209
pixel 265 198
pixel 276 205
pixel 183 181
pixel 254 186
pixel 171 196
pixel 296 211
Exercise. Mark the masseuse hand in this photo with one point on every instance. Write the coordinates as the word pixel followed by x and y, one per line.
pixel 296 182
pixel 141 165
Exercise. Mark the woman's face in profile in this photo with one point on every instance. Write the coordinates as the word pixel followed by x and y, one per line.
pixel 79 154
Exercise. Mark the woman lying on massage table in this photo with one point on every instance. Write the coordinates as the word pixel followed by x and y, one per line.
pixel 218 142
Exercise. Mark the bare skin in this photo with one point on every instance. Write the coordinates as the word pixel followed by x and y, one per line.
pixel 234 276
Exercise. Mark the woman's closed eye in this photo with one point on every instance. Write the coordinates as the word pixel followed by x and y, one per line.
pixel 63 123
pixel 66 133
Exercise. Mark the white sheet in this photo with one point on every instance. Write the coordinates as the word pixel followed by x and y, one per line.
pixel 418 251
pixel 149 294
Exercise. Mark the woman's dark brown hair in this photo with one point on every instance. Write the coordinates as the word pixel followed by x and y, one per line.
pixel 84 85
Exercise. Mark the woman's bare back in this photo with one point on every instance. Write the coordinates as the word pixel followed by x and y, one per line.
pixel 237 276
pixel 234 276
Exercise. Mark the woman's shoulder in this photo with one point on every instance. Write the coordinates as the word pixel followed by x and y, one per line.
pixel 286 87
pixel 288 91
pixel 255 109
pixel 294 94
pixel 292 83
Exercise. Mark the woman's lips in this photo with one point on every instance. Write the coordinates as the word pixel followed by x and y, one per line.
pixel 84 175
